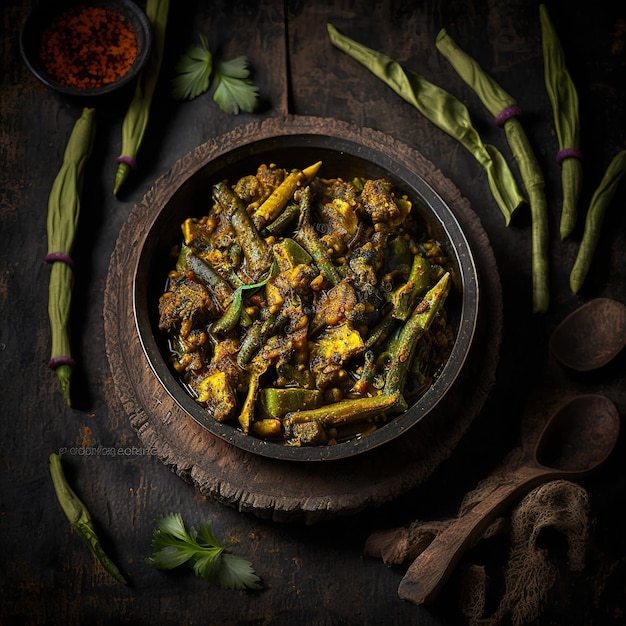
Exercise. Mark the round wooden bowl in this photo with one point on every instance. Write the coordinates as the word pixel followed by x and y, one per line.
pixel 341 157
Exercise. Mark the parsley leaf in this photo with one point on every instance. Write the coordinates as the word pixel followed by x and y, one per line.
pixel 194 71
pixel 197 71
pixel 173 545
pixel 235 91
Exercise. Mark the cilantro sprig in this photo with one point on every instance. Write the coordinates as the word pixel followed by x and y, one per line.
pixel 173 545
pixel 197 72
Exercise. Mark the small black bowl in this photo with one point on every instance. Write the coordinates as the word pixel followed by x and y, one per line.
pixel 32 32
pixel 346 151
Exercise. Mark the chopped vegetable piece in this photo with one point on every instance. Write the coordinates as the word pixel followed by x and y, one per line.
pixel 276 402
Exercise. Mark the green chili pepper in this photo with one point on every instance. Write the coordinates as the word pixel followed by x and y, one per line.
pixel 499 102
pixel 564 99
pixel 443 110
pixel 595 217
pixel 62 221
pixel 136 119
pixel 79 517
pixel 413 329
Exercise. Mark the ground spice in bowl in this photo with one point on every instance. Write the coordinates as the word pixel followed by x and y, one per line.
pixel 88 47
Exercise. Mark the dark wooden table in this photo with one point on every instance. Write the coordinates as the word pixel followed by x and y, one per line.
pixel 313 574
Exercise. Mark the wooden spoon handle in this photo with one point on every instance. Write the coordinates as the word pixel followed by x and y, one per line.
pixel 432 568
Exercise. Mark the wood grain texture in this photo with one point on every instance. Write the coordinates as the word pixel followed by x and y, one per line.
pixel 313 573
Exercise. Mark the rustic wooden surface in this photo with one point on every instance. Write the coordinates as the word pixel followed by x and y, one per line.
pixel 312 573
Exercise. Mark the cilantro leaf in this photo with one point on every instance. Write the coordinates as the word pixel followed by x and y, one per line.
pixel 194 71
pixel 234 91
pixel 173 545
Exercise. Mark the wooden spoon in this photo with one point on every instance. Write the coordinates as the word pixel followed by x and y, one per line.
pixel 590 336
pixel 577 438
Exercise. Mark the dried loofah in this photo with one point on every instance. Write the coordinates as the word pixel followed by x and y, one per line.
pixel 561 506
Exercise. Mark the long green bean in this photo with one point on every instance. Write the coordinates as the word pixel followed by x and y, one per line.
pixel 595 218
pixel 505 110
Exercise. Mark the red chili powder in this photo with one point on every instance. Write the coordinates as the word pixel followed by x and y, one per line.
pixel 88 47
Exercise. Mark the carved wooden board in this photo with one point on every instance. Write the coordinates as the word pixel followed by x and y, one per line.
pixel 282 490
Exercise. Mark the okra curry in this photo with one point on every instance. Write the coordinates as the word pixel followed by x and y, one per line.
pixel 307 310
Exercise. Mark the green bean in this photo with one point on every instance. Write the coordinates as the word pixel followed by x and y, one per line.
pixel 595 218
pixel 79 517
pixel 564 99
pixel 284 220
pixel 255 249
pixel 498 101
pixel 207 274
pixel 344 411
pixel 381 331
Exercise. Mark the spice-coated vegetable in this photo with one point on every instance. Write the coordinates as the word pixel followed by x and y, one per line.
pixel 414 329
pixel 272 207
pixel 348 294
pixel 564 99
pixel 87 47
pixel 505 110
pixel 136 120
pixel 595 218
pixel 443 110
pixel 62 221
pixel 79 517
